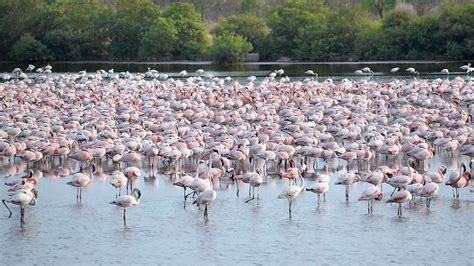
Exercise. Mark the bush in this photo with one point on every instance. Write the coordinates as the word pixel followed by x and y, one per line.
pixel 27 48
pixel 252 28
pixel 159 41
pixel 230 49
pixel 193 40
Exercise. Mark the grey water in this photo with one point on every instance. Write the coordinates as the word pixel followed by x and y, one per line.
pixel 259 69
pixel 160 230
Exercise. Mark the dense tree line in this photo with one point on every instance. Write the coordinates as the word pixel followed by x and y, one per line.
pixel 307 30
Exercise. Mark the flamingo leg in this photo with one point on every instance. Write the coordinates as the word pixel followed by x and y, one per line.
pixel 393 191
pixel 253 195
pixel 206 218
pixel 4 203
pixel 347 192
pixel 290 201
pixel 22 216
pixel 124 221
pixel 319 196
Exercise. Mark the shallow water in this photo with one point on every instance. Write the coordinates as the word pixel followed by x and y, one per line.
pixel 292 69
pixel 61 231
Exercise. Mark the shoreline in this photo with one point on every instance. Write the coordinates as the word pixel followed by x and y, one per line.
pixel 247 63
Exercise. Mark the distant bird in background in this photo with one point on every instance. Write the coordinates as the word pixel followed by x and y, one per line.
pixel 412 71
pixel 30 67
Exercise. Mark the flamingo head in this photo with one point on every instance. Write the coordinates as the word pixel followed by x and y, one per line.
pixel 292 163
pixel 467 175
pixel 442 170
pixel 137 192
pixel 35 192
pixel 379 196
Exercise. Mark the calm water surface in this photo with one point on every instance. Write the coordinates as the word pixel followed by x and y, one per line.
pixel 324 69
pixel 160 231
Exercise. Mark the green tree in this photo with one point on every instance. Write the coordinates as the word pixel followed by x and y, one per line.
pixel 159 41
pixel 27 48
pixel 252 28
pixel 455 23
pixel 129 22
pixel 193 40
pixel 395 27
pixel 291 24
pixel 230 49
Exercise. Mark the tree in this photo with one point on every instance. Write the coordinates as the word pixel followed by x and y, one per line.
pixel 193 39
pixel 230 49
pixel 130 21
pixel 27 48
pixel 291 24
pixel 252 28
pixel 159 41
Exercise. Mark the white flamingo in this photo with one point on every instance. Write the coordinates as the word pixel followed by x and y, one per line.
pixel 128 201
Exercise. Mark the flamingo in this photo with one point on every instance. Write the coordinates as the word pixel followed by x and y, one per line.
pixel 119 180
pixel 458 180
pixel 370 194
pixel 185 182
pixel 394 70
pixel 128 201
pixel 347 178
pixel 319 188
pixel 291 192
pixel 400 197
pixel 428 191
pixel 132 173
pixel 79 180
pixel 205 197
pixel 22 198
pixel 311 73
pixel 412 70
pixel 465 67
pixel 255 182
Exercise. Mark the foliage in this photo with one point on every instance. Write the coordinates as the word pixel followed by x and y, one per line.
pixel 193 40
pixel 27 48
pixel 316 30
pixel 252 28
pixel 229 48
pixel 158 42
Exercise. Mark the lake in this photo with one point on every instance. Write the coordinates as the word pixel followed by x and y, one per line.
pixel 160 231
pixel 292 69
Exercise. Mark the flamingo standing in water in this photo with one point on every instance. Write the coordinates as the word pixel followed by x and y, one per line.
pixel 23 198
pixel 205 197
pixel 458 180
pixel 400 197
pixel 371 194
pixel 319 188
pixel 128 201
pixel 428 191
pixel 347 178
pixel 255 182
pixel 292 192
pixel 81 180
pixel 132 173
pixel 185 182
pixel 119 180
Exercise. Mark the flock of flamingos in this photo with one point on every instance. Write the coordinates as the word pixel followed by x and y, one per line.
pixel 202 131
